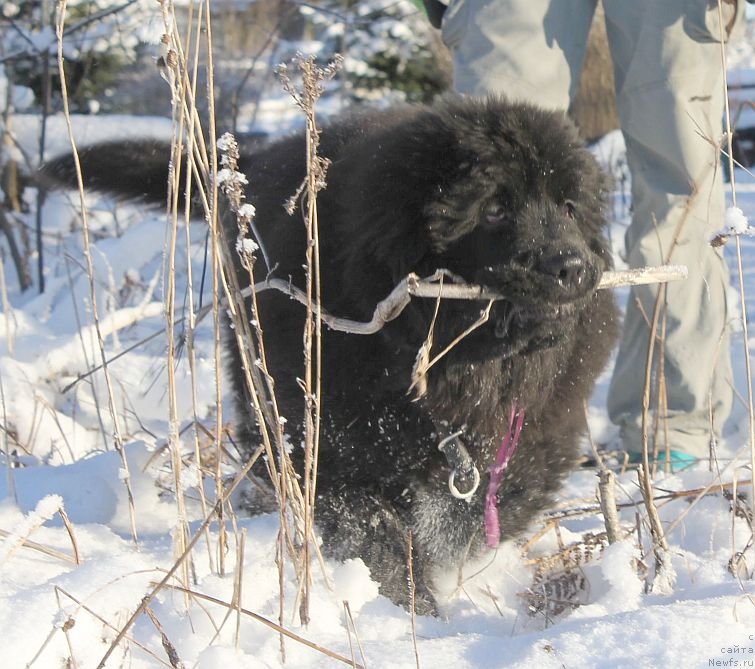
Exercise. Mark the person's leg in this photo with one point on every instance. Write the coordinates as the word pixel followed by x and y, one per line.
pixel 669 84
pixel 529 50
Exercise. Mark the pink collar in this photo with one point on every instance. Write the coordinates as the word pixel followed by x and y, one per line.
pixel 497 470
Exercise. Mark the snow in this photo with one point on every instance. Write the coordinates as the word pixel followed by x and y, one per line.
pixel 231 178
pixel 248 211
pixel 246 245
pixel 736 222
pixel 62 456
pixel 226 142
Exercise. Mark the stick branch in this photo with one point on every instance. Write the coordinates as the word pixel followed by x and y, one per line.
pixel 392 306
pixel 414 286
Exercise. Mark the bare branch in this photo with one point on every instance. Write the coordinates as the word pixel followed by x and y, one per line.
pixel 414 286
pixel 642 276
pixel 392 306
pixel 607 488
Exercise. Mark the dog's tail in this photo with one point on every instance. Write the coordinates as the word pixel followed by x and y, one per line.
pixel 137 169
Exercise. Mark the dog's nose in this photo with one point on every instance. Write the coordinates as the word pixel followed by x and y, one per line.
pixel 569 268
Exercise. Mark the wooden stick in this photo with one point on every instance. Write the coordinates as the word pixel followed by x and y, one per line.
pixel 390 308
pixel 414 286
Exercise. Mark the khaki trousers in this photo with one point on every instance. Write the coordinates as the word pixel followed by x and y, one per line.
pixel 669 90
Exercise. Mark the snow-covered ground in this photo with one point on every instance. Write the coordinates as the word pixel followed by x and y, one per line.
pixel 60 444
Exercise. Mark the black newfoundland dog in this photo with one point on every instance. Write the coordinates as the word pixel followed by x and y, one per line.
pixel 499 194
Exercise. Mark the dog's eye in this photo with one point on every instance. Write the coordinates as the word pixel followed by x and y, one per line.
pixel 495 215
pixel 569 208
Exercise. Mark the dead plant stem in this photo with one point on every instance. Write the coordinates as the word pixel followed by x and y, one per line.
pixel 412 595
pixel 10 479
pixel 117 437
pixel 168 646
pixel 216 271
pixel 191 319
pixel 313 321
pixel 738 247
pixel 174 441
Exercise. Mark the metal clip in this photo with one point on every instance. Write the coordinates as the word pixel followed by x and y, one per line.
pixel 459 461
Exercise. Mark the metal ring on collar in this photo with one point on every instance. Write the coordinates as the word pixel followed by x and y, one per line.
pixel 464 495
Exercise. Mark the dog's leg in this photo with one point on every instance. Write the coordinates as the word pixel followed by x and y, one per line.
pixel 355 523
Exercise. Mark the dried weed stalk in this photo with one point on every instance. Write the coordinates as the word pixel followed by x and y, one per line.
pixel 70 623
pixel 412 594
pixel 170 650
pixel 738 247
pixel 117 435
pixel 313 78
pixel 351 626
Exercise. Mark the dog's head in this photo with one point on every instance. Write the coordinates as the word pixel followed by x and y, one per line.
pixel 503 195
pixel 523 216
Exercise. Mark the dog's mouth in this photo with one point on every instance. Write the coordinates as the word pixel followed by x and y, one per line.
pixel 539 312
pixel 509 317
pixel 513 329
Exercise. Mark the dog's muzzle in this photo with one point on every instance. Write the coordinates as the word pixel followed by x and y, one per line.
pixel 538 283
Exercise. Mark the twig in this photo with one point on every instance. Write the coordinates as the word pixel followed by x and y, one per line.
pixel 170 649
pixel 740 266
pixel 238 583
pixel 351 626
pixel 414 286
pixel 71 621
pixel 46 550
pixel 19 262
pixel 6 448
pixel 41 146
pixel 607 490
pixel 117 436
pixel 386 310
pixel 591 509
pixel 181 535
pixel 223 497
pixel 306 99
pixel 701 492
pixel 422 364
pixel 660 545
pixel 412 594
pixel 69 528
pixel 663 565
pixel 642 276
pixel 46 508
pixel 213 159
pixel 67 626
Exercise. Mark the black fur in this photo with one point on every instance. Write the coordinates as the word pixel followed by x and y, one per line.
pixel 501 194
